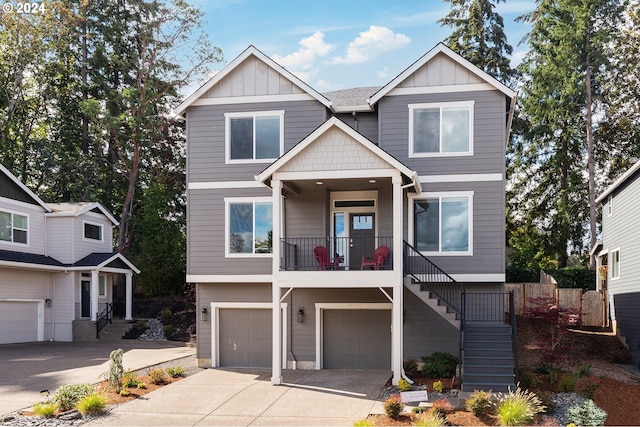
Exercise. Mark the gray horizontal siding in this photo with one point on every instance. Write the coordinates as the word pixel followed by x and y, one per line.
pixel 206 137
pixel 628 321
pixel 488 229
pixel 489 133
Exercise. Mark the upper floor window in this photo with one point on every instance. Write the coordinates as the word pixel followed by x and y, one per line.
pixel 92 231
pixel 442 223
pixel 254 136
pixel 444 129
pixel 609 205
pixel 249 226
pixel 615 264
pixel 14 227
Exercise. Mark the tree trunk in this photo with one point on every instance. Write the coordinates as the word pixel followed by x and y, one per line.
pixel 590 151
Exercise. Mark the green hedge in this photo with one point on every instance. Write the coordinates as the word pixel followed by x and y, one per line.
pixel 522 274
pixel 569 277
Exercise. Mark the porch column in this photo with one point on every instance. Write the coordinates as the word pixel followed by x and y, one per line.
pixel 398 285
pixel 276 345
pixel 129 297
pixel 94 295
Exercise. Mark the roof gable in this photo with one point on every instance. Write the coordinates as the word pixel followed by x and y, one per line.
pixel 440 67
pixel 628 176
pixel 79 208
pixel 254 74
pixel 12 188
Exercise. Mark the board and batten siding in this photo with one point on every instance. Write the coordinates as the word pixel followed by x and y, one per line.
pixel 489 113
pixel 206 235
pixel 365 123
pixel 206 136
pixel 488 228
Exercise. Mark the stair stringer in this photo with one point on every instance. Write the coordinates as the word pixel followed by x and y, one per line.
pixel 433 303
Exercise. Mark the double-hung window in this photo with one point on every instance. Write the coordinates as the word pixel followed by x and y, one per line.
pixel 442 223
pixel 444 129
pixel 615 264
pixel 92 231
pixel 249 226
pixel 254 136
pixel 14 227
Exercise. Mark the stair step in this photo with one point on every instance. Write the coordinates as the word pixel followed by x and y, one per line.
pixel 488 360
pixel 486 386
pixel 487 370
pixel 487 344
pixel 489 378
pixel 487 352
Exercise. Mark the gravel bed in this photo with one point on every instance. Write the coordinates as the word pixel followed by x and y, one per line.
pixel 154 331
pixel 562 402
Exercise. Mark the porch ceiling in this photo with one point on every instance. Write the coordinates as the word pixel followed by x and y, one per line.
pixel 342 184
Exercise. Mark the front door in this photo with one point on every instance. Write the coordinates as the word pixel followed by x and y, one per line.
pixel 362 238
pixel 85 295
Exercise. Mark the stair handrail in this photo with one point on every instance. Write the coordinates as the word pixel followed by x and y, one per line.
pixel 425 272
pixel 104 317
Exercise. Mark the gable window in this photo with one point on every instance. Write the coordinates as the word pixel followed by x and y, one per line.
pixel 254 136
pixel 92 231
pixel 442 223
pixel 615 264
pixel 441 129
pixel 249 226
pixel 14 227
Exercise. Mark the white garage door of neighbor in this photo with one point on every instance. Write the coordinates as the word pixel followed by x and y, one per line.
pixel 18 321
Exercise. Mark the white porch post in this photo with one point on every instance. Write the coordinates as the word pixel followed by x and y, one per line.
pixel 94 295
pixel 129 297
pixel 398 286
pixel 276 345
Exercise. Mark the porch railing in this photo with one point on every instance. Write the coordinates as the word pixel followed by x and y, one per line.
pixel 345 253
pixel 103 318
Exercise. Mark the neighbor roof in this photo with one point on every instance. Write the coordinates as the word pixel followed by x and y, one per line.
pixel 78 208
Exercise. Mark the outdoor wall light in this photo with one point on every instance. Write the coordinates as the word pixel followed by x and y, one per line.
pixel 47 302
pixel 203 314
pixel 300 316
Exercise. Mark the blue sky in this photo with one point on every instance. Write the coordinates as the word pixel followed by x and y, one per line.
pixel 335 45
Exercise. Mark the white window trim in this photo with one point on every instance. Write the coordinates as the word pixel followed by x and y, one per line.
pixel 440 195
pixel 12 242
pixel 413 107
pixel 612 262
pixel 97 224
pixel 609 205
pixel 250 114
pixel 228 201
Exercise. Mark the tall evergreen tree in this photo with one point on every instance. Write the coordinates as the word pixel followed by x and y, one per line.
pixel 478 35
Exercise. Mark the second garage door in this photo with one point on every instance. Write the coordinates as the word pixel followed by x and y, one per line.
pixel 357 339
pixel 18 321
pixel 245 338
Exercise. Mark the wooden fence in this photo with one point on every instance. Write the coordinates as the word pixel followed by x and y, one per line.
pixel 590 305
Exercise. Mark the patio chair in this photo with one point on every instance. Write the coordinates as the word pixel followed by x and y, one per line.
pixel 379 258
pixel 324 262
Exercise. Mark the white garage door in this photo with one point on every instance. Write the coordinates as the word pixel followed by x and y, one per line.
pixel 357 339
pixel 18 321
pixel 245 337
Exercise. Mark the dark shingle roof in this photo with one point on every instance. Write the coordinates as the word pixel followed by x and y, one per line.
pixel 92 260
pixel 28 258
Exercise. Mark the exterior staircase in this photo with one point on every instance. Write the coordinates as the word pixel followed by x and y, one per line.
pixel 432 300
pixel 487 361
pixel 113 332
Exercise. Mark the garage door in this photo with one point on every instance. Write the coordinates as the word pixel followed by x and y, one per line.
pixel 18 321
pixel 245 337
pixel 357 339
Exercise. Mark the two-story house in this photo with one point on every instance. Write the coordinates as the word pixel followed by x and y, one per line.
pixel 316 221
pixel 618 257
pixel 57 266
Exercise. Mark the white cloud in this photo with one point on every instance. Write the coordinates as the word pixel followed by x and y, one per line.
pixel 302 62
pixel 517 57
pixel 324 86
pixel 384 73
pixel 370 44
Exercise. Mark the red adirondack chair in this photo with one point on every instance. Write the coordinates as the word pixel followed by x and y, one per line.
pixel 324 261
pixel 379 258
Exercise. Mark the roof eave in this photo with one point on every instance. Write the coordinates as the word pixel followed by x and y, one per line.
pixel 617 183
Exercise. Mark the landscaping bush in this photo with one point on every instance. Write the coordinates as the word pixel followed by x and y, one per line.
pixel 92 404
pixel 442 407
pixel 587 413
pixel 517 274
pixel 479 403
pixel 587 386
pixel 410 367
pixel 176 371
pixel 129 379
pixel 439 365
pixel 157 376
pixel 404 385
pixel 431 419
pixel 168 330
pixel 567 383
pixel 364 423
pixel 68 395
pixel 438 386
pixel 517 408
pixel 45 410
pixel 393 406
pixel 116 371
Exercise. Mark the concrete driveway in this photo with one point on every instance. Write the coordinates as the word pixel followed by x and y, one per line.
pixel 25 369
pixel 247 397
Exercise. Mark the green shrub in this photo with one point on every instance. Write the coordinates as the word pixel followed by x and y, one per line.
pixel 404 385
pixel 410 367
pixel 517 408
pixel 157 376
pixel 129 379
pixel 176 371
pixel 393 406
pixel 528 380
pixel 430 419
pixel 442 407
pixel 567 383
pixel 479 403
pixel 439 365
pixel 418 409
pixel 141 385
pixel 363 423
pixel 45 409
pixel 116 371
pixel 168 330
pixel 141 325
pixel 124 392
pixel 587 413
pixel 165 315
pixel 438 386
pixel 68 395
pixel 92 404
pixel 584 371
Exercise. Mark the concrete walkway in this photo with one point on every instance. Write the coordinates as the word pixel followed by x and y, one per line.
pixel 246 397
pixel 25 369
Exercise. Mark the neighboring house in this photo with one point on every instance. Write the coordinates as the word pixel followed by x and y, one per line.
pixel 288 190
pixel 57 266
pixel 619 252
